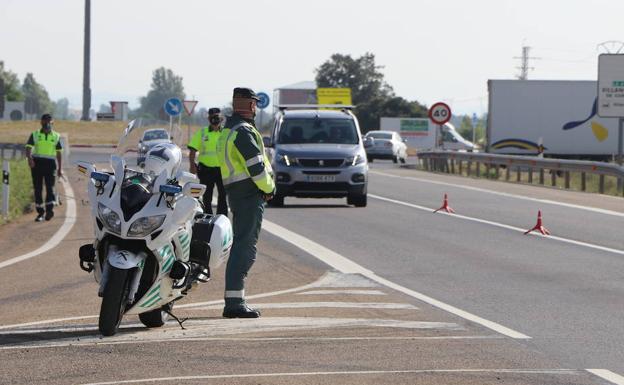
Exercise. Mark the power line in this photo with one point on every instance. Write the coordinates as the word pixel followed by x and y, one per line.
pixel 524 66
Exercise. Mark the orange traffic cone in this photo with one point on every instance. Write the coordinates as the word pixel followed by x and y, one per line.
pixel 445 206
pixel 539 227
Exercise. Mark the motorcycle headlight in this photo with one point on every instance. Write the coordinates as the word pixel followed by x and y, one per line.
pixel 144 226
pixel 354 160
pixel 285 159
pixel 109 218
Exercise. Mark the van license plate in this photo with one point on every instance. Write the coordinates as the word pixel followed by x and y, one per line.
pixel 322 178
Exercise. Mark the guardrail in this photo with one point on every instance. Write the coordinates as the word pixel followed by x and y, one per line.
pixel 12 151
pixel 471 162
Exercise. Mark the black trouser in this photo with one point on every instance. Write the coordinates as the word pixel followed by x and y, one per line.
pixel 44 172
pixel 211 176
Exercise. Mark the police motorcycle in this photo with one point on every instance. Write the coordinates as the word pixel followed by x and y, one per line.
pixel 152 241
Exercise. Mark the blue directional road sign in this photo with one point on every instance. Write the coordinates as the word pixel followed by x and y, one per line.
pixel 264 100
pixel 173 107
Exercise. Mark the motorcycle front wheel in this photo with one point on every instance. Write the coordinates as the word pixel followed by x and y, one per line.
pixel 114 300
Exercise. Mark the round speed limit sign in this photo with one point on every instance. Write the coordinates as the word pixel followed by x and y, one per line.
pixel 440 113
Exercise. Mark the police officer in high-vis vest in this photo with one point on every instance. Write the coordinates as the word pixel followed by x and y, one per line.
pixel 205 142
pixel 43 150
pixel 248 180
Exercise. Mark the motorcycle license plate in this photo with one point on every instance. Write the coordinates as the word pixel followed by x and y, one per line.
pixel 322 178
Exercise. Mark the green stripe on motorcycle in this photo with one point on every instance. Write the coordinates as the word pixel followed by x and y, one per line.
pixel 168 264
pixel 150 299
pixel 153 291
pixel 150 303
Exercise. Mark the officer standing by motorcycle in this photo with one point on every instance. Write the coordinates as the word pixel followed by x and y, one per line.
pixel 44 151
pixel 248 180
pixel 208 170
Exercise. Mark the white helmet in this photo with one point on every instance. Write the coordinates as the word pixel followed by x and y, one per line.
pixel 163 156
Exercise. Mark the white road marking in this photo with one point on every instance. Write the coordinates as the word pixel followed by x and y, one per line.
pixel 210 328
pixel 343 292
pixel 345 265
pixel 106 342
pixel 504 226
pixel 70 219
pixel 509 195
pixel 608 375
pixel 341 305
pixel 343 373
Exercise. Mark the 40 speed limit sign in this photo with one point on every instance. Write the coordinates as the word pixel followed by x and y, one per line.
pixel 440 113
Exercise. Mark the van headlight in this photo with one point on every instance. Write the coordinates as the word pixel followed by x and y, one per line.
pixel 285 159
pixel 144 226
pixel 110 218
pixel 355 160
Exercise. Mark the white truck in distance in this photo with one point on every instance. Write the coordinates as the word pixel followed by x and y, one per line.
pixel 560 115
pixel 420 134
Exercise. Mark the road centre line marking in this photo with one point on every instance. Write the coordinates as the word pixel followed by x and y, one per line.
pixel 509 195
pixel 70 219
pixel 608 375
pixel 354 372
pixel 345 265
pixel 501 225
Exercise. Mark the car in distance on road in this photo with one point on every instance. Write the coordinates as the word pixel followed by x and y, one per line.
pixel 151 138
pixel 386 145
pixel 318 153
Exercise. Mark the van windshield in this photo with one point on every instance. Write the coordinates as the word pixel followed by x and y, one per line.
pixel 302 131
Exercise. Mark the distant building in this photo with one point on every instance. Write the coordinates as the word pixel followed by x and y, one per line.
pixel 13 111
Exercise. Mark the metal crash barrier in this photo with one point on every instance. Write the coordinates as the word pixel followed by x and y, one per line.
pixel 492 165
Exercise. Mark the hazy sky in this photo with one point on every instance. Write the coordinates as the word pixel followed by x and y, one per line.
pixel 431 50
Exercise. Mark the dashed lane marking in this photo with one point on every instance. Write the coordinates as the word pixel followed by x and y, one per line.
pixel 68 223
pixel 347 266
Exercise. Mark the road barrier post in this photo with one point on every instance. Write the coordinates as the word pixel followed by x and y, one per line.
pixel 5 188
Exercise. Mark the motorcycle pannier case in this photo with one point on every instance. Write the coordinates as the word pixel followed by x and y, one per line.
pixel 211 241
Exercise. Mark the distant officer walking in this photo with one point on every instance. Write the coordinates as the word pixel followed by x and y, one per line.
pixel 44 151
pixel 208 170
pixel 248 180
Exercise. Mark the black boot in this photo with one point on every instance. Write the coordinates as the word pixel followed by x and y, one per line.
pixel 49 214
pixel 243 311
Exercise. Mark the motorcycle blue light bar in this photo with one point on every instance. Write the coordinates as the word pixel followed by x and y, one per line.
pixel 170 189
pixel 100 176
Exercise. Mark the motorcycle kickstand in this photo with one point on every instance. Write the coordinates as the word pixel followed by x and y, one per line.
pixel 180 322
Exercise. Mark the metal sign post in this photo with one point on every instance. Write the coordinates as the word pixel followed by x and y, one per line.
pixel 262 104
pixel 611 96
pixel 5 188
pixel 440 114
pixel 189 107
pixel 173 107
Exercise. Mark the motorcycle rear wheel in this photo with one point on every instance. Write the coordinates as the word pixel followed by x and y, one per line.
pixel 114 300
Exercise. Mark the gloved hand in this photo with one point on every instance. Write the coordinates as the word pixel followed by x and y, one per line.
pixel 269 196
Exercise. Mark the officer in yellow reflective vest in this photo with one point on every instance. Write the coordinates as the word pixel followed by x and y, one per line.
pixel 248 180
pixel 43 150
pixel 205 142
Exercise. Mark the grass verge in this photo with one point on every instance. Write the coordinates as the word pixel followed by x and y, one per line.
pixel 21 190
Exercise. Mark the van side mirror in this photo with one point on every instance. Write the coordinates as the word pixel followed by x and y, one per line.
pixel 267 142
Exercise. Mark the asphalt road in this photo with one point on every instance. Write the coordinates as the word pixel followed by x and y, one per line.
pixel 323 324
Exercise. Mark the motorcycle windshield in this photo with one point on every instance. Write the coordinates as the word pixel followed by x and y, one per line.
pixel 142 134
